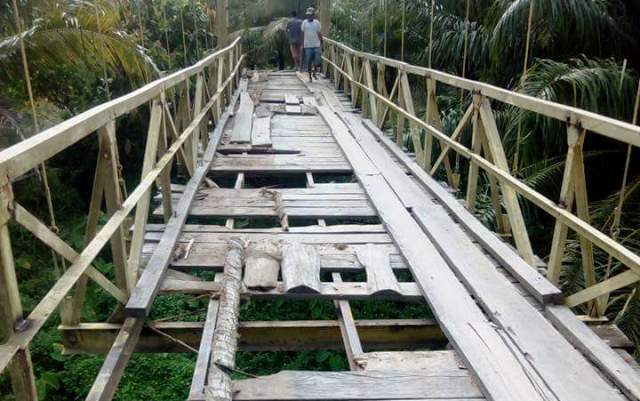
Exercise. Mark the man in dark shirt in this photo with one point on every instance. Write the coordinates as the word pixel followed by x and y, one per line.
pixel 294 34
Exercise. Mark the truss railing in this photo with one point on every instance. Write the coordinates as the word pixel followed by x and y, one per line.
pixel 180 114
pixel 363 76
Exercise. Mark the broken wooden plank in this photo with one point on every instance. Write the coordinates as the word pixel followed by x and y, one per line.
pixel 377 264
pixel 300 268
pixel 144 294
pixel 243 120
pixel 261 132
pixel 262 265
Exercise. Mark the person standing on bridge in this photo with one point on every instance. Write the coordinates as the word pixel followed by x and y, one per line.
pixel 312 31
pixel 294 34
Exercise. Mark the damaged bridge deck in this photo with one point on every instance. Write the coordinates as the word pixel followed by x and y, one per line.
pixel 330 208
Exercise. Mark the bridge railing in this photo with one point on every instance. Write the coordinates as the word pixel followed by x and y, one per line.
pixel 363 76
pixel 181 107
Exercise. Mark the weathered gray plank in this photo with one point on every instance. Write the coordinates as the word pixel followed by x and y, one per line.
pixel 204 351
pixel 442 362
pixel 262 265
pixel 300 268
pixel 408 292
pixel 599 352
pixel 527 328
pixel 291 99
pixel 243 120
pixel 377 263
pixel 261 132
pixel 534 282
pixel 499 371
pixel 369 385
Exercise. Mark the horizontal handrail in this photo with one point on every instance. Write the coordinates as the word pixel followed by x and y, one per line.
pixel 52 300
pixel 606 126
pixel 24 156
pixel 354 70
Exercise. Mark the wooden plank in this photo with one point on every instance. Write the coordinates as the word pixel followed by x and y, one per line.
pixel 377 264
pixel 498 370
pixel 290 335
pixel 408 292
pixel 262 265
pixel 243 120
pixel 300 268
pixel 204 351
pixel 112 370
pixel 348 329
pixel 338 239
pixel 292 99
pixel 599 352
pixel 369 385
pixel 261 132
pixel 144 294
pixel 534 282
pixel 533 335
pixel 442 362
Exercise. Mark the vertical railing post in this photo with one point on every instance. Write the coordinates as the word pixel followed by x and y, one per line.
pixel 11 313
pixel 113 201
pixel 142 208
pixel 573 189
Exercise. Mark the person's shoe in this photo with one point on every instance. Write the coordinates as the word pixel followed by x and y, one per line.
pixel 315 76
pixel 310 77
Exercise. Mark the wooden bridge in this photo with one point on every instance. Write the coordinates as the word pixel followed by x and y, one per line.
pixel 331 208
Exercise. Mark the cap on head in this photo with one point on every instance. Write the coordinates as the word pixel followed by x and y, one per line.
pixel 310 11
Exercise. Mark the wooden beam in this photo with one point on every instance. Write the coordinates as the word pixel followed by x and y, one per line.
pixel 49 238
pixel 148 286
pixel 291 335
pixel 112 370
pixel 348 329
pixel 17 360
pixel 113 200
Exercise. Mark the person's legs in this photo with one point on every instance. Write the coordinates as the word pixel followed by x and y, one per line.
pixel 295 54
pixel 299 61
pixel 307 59
pixel 317 60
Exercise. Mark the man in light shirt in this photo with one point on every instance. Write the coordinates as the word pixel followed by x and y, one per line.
pixel 312 32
